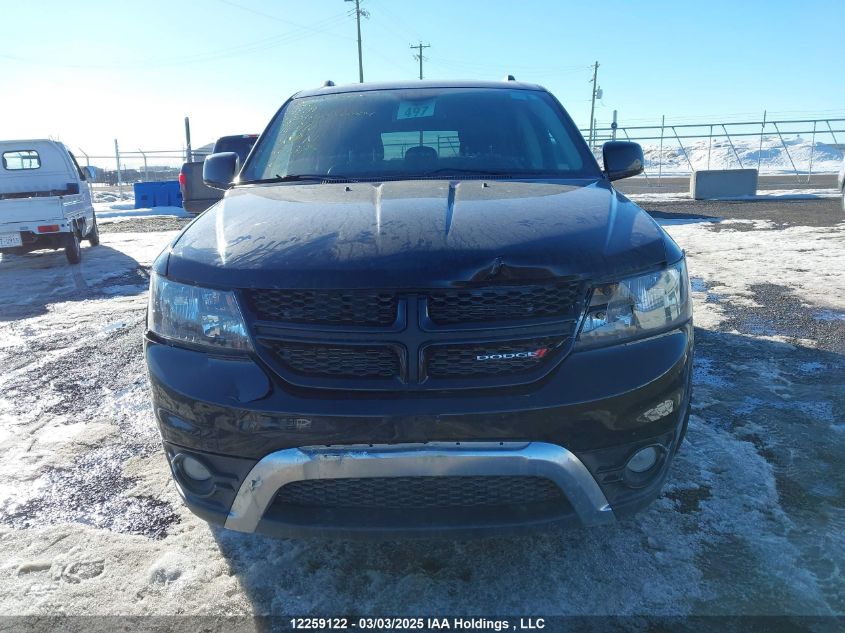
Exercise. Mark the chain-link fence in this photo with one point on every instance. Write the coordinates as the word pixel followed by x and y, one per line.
pixel 133 166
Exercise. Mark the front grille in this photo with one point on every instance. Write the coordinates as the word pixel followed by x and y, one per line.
pixel 375 337
pixel 506 303
pixel 489 359
pixel 324 307
pixel 353 361
pixel 419 492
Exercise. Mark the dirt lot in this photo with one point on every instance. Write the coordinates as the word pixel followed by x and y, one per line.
pixel 752 520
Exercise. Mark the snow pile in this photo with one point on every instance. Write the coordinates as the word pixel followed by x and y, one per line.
pixel 117 212
pixel 773 156
pixel 113 210
pixel 729 262
pixel 110 196
pixel 764 194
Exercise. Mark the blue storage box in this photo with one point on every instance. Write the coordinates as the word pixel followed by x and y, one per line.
pixel 144 195
pixel 161 199
pixel 157 194
pixel 174 193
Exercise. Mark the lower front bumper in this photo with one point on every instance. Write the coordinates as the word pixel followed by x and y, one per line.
pixel 535 459
pixel 259 506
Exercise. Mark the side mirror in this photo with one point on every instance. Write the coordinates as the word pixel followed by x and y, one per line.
pixel 89 172
pixel 219 170
pixel 622 159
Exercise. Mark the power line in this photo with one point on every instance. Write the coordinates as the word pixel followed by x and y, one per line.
pixel 563 70
pixel 374 51
pixel 419 55
pixel 278 19
pixel 401 23
pixel 230 51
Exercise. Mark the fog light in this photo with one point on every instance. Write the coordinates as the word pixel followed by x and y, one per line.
pixel 643 460
pixel 195 469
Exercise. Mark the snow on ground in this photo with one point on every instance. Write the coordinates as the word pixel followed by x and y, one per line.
pixel 751 521
pixel 763 194
pixel 104 197
pixel 727 263
pixel 108 212
pixel 773 157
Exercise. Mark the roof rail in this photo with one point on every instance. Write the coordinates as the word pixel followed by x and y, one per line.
pixel 327 84
pixel 510 78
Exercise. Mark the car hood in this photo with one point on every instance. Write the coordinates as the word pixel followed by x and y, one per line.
pixel 416 234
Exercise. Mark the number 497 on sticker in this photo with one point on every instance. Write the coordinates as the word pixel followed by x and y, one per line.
pixel 415 109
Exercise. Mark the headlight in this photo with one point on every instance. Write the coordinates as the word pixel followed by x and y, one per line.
pixel 633 307
pixel 199 316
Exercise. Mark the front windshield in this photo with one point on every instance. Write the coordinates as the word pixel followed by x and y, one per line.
pixel 422 132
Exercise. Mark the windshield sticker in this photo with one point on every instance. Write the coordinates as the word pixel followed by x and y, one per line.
pixel 415 109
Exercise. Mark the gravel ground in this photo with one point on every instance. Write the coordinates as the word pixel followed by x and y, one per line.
pixel 752 520
pixel 765 182
pixel 145 225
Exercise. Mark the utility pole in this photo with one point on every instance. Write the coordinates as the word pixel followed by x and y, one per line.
pixel 419 55
pixel 358 13
pixel 189 155
pixel 119 177
pixel 593 103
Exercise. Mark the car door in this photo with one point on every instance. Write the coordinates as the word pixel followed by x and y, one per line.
pixel 84 187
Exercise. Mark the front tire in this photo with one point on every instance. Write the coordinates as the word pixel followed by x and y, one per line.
pixel 93 236
pixel 73 248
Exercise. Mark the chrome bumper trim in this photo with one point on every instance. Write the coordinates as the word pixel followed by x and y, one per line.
pixel 419 460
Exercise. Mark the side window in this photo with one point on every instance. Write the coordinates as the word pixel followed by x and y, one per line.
pixel 75 164
pixel 21 159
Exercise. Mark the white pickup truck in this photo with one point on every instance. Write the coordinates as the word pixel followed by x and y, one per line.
pixel 45 199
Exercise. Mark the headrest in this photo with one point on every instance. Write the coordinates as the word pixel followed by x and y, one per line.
pixel 421 153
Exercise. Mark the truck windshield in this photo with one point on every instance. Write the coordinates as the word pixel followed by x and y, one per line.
pixel 421 132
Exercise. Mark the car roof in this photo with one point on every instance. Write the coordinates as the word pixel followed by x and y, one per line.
pixel 405 85
pixel 32 141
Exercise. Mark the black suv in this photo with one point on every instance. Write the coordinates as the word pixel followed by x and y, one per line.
pixel 420 307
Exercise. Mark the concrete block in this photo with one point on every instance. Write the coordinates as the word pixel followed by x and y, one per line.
pixel 713 184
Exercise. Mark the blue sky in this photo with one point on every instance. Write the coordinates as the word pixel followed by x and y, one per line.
pixel 88 72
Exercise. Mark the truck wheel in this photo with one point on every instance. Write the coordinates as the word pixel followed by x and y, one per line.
pixel 73 249
pixel 93 236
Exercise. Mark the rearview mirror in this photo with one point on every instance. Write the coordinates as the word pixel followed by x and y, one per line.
pixel 622 159
pixel 219 170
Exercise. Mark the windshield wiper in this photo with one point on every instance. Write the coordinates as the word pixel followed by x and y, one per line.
pixel 288 178
pixel 444 171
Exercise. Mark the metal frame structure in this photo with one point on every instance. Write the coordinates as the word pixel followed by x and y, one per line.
pixel 829 127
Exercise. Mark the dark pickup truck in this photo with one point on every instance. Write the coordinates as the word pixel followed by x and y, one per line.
pixel 196 195
pixel 420 308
